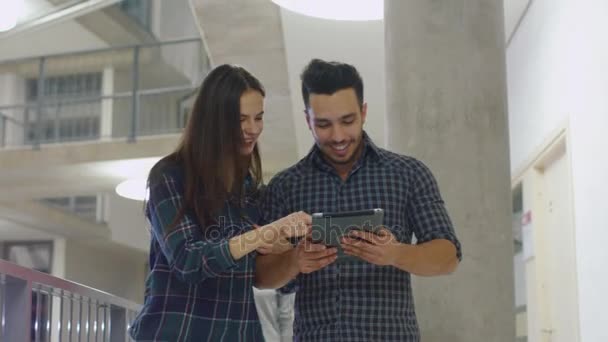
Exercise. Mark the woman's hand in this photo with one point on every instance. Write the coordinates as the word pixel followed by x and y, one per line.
pixel 275 236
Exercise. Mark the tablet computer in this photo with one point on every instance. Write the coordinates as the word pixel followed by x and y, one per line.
pixel 328 228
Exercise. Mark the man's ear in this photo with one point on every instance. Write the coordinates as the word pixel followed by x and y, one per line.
pixel 307 116
pixel 364 112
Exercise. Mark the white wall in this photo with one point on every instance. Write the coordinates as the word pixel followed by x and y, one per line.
pixel 589 122
pixel 357 43
pixel 58 267
pixel 12 91
pixel 127 223
pixel 540 61
pixel 115 270
pixel 558 72
pixel 175 20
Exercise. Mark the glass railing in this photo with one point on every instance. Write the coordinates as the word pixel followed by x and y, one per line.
pixel 113 93
pixel 138 10
pixel 35 306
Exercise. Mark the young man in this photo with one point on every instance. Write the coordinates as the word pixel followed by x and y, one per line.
pixel 368 300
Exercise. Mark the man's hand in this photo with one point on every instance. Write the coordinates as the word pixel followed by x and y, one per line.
pixel 377 248
pixel 312 257
pixel 280 246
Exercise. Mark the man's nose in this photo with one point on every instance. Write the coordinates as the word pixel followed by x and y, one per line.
pixel 338 134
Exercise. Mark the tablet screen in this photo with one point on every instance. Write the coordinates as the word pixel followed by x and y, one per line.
pixel 328 228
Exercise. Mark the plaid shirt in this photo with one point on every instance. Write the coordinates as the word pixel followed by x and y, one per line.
pixel 195 290
pixel 360 301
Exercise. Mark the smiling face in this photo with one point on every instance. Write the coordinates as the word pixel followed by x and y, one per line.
pixel 252 123
pixel 336 122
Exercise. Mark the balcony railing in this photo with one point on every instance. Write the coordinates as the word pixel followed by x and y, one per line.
pixel 112 93
pixel 35 306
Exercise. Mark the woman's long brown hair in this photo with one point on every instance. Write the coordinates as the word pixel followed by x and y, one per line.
pixel 209 152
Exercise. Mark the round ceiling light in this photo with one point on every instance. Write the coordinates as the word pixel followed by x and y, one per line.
pixel 135 189
pixel 355 10
pixel 9 13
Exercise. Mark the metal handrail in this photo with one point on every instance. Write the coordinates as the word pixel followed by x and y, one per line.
pixel 86 99
pixel 19 286
pixel 33 276
pixel 68 101
pixel 47 117
pixel 111 48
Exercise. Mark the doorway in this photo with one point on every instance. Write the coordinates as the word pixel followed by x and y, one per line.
pixel 558 278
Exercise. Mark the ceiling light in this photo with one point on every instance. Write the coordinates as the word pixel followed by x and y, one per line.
pixel 135 189
pixel 9 13
pixel 356 10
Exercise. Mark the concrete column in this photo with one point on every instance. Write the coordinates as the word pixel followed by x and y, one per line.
pixel 446 105
pixel 107 105
pixel 13 92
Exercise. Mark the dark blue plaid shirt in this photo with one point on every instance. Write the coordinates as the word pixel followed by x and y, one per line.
pixel 360 301
pixel 196 291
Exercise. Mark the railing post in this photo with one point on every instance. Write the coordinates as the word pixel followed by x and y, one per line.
pixel 118 324
pixel 17 304
pixel 89 325
pixel 50 322
pixel 62 325
pixel 71 322
pixel 2 130
pixel 2 305
pixel 18 310
pixel 180 115
pixel 38 319
pixel 56 128
pixel 104 325
pixel 39 103
pixel 80 326
pixel 26 125
pixel 201 64
pixel 134 95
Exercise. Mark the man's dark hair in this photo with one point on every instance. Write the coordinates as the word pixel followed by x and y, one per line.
pixel 321 77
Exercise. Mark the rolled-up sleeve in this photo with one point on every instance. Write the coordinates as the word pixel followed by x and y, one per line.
pixel 273 208
pixel 426 212
pixel 192 258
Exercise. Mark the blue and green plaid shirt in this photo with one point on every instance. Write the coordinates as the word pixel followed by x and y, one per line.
pixel 360 301
pixel 195 290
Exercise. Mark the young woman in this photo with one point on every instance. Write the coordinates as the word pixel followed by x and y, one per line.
pixel 202 208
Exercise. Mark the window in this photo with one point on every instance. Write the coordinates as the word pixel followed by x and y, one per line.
pixel 139 10
pixel 82 206
pixel 65 86
pixel 63 116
